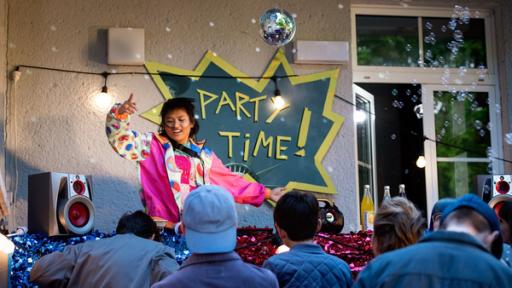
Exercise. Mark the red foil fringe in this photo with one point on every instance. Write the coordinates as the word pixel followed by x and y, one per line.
pixel 255 245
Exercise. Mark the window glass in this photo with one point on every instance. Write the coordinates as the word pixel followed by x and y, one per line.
pixel 458 178
pixel 452 43
pixel 462 120
pixel 387 41
pixel 363 118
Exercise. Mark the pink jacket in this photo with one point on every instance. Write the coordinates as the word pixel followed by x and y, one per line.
pixel 167 177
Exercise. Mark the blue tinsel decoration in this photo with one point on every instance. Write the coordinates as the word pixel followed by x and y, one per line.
pixel 31 247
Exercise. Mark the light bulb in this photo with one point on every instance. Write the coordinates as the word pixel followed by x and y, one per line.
pixel 281 249
pixel 6 245
pixel 359 116
pixel 421 162
pixel 103 101
pixel 278 102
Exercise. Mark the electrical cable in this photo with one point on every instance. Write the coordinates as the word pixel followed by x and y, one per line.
pixel 104 74
pixel 424 136
pixel 273 78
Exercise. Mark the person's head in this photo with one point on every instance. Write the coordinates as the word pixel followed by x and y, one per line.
pixel 210 220
pixel 178 121
pixel 469 214
pixel 296 217
pixel 397 224
pixel 138 223
pixel 504 212
pixel 437 212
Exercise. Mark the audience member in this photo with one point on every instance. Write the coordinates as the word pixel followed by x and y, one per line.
pixel 128 259
pixel 397 224
pixel 457 255
pixel 437 213
pixel 296 218
pixel 210 223
pixel 504 212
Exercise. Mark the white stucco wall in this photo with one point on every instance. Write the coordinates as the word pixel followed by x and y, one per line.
pixel 57 129
pixel 4 198
pixel 54 127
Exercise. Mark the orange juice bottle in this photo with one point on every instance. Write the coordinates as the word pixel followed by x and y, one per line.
pixel 367 209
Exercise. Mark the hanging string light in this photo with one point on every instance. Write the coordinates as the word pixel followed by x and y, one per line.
pixel 421 162
pixel 277 100
pixel 103 101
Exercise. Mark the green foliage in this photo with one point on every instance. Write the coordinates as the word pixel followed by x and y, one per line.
pixel 471 54
pixel 387 50
pixel 460 123
pixel 457 178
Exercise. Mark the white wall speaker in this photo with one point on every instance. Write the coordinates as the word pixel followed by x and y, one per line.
pixel 126 46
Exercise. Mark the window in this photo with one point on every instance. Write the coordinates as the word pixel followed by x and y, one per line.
pixel 433 39
pixel 463 128
pixel 448 43
pixel 461 123
pixel 387 41
pixel 453 59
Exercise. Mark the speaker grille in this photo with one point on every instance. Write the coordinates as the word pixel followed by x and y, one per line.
pixel 78 214
pixel 79 187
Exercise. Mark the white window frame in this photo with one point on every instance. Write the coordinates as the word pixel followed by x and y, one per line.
pixel 425 75
pixel 357 90
pixel 430 78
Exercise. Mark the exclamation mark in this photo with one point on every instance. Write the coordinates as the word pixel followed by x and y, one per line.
pixel 303 132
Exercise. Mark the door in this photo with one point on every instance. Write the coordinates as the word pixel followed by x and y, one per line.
pixel 461 139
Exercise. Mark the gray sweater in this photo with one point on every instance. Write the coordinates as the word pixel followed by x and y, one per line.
pixel 124 260
pixel 222 270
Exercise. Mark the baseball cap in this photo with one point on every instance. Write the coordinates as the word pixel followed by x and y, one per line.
pixel 439 209
pixel 473 202
pixel 210 219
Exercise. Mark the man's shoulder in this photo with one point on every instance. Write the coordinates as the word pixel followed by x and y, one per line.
pixel 298 256
pixel 259 274
pixel 253 269
pixel 239 270
pixel 429 256
pixel 130 241
pixel 290 262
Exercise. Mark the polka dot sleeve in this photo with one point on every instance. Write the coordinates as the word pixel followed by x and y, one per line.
pixel 126 142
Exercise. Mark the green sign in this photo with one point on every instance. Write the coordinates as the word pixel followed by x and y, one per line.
pixel 279 141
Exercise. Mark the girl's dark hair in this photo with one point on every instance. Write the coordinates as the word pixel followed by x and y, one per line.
pixel 179 103
pixel 138 223
pixel 297 213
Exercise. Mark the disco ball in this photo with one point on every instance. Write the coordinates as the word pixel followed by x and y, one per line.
pixel 277 27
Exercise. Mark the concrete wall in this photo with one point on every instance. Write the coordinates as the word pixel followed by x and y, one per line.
pixel 56 128
pixel 4 198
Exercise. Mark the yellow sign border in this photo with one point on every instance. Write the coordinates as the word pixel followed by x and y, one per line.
pixel 258 85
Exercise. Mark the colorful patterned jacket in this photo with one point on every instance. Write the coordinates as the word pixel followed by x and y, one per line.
pixel 168 175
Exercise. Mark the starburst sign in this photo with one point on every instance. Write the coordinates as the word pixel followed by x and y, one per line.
pixel 277 146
